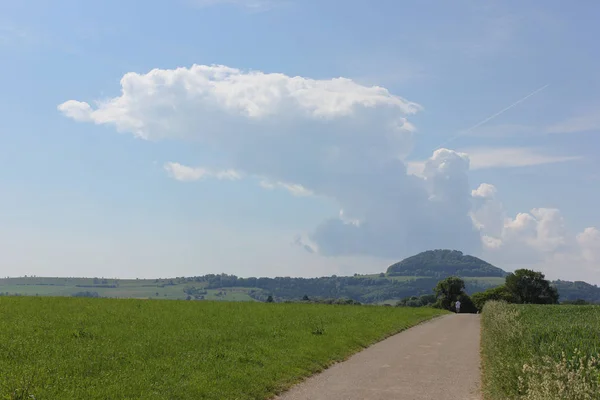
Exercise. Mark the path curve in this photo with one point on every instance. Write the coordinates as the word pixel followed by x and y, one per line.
pixel 438 359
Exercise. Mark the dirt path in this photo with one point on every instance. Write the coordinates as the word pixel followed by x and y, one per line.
pixel 436 360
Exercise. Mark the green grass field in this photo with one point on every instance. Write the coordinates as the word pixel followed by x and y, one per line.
pixel 543 352
pixel 80 348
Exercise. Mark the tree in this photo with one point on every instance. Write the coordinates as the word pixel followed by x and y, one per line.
pixel 447 291
pixel 270 299
pixel 499 293
pixel 305 298
pixel 530 287
pixel 466 304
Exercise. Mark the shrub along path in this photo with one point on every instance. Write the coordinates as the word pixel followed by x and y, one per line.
pixel 435 360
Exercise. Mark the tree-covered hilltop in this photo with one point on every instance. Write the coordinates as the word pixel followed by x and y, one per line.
pixel 442 263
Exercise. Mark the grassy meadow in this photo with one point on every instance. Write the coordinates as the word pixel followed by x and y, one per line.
pixel 540 352
pixel 81 348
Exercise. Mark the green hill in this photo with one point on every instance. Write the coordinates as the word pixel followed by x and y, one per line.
pixel 441 263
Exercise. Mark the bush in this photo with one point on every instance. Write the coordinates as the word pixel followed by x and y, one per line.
pixel 496 294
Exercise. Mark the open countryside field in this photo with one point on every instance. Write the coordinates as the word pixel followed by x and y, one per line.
pixel 79 348
pixel 540 352
pixel 173 289
pixel 368 289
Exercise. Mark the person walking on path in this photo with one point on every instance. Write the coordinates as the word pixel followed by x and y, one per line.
pixel 457 306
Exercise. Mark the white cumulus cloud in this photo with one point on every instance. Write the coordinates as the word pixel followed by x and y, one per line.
pixel 537 239
pixel 342 141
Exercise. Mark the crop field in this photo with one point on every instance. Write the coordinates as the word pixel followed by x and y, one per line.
pixel 172 289
pixel 82 348
pixel 540 352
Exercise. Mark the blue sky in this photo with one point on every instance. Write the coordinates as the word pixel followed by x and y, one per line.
pixel 242 163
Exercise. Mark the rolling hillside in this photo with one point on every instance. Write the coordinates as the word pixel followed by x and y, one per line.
pixel 414 276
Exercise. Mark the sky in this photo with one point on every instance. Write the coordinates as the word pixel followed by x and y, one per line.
pixel 297 138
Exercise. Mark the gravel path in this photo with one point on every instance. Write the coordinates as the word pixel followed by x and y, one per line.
pixel 435 360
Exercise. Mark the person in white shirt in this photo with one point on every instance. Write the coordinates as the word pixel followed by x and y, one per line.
pixel 457 306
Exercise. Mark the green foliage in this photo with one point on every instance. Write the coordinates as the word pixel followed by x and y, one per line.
pixel 442 263
pixel 77 348
pixel 540 351
pixel 496 294
pixel 578 302
pixel 529 287
pixel 447 291
pixel 86 294
pixel 270 299
pixel 420 301
pixel 466 304
pixel 367 289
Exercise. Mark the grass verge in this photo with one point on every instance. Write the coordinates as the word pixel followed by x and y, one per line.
pixel 534 352
pixel 78 348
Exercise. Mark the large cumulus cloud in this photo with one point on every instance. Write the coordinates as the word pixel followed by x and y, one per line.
pixel 332 138
pixel 538 239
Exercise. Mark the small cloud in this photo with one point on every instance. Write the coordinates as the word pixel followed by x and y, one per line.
pixel 295 189
pixel 184 173
pixel 229 174
pixel 485 191
pixel 78 110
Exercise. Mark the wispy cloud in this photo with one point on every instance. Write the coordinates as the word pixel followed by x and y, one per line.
pixel 294 189
pixel 511 157
pixel 499 157
pixel 253 5
pixel 184 173
pixel 588 121
pixel 187 174
pixel 14 35
pixel 584 122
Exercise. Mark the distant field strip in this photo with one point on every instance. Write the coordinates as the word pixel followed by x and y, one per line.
pixel 534 352
pixel 79 348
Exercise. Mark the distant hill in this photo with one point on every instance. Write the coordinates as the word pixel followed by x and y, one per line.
pixel 441 263
pixel 577 290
